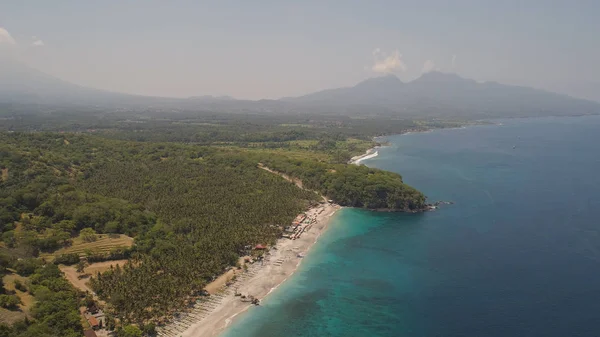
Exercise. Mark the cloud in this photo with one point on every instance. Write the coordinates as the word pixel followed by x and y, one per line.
pixel 384 63
pixel 5 37
pixel 37 42
pixel 428 66
pixel 453 61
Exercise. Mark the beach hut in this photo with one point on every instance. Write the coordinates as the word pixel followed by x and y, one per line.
pixel 93 322
pixel 299 219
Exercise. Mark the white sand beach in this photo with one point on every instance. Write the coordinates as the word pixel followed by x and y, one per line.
pixel 212 316
pixel 371 153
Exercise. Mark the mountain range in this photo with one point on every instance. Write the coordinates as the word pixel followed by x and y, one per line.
pixel 433 95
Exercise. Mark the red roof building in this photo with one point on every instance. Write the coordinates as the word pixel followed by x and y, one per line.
pixel 93 322
pixel 299 219
pixel 260 247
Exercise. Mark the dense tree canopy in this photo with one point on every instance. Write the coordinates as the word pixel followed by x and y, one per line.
pixel 192 210
pixel 352 185
pixel 55 311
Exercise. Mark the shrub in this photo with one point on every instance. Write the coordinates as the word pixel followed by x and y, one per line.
pixel 20 286
pixel 88 235
pixel 26 267
pixel 67 259
pixel 10 302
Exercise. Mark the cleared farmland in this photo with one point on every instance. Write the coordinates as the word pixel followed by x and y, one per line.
pixel 104 244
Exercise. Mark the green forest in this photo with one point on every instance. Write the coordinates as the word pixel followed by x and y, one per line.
pixel 191 208
pixel 352 185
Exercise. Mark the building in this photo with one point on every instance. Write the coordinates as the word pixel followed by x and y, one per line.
pixel 298 220
pixel 93 322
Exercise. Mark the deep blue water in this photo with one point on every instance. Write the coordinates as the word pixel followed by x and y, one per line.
pixel 518 254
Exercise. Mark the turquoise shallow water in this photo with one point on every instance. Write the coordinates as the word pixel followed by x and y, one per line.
pixel 518 254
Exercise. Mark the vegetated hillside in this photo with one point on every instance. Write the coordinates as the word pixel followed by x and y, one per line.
pixel 191 209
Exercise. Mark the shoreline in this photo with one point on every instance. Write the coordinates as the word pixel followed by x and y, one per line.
pixel 214 315
pixel 373 152
pixel 370 153
pixel 262 278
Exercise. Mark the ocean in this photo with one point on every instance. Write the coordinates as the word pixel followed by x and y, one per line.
pixel 517 254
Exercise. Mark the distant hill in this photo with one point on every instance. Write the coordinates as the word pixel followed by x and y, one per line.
pixel 433 95
pixel 20 83
pixel 375 91
pixel 212 98
pixel 444 95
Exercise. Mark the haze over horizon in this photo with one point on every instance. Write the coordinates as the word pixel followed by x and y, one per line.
pixel 275 50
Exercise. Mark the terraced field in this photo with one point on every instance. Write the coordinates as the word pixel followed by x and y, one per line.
pixel 104 244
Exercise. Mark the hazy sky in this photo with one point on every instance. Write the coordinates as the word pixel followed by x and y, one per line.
pixel 269 49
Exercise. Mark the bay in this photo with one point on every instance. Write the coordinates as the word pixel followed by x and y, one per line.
pixel 517 254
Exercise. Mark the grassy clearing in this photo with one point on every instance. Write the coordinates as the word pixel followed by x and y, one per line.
pixel 11 316
pixel 303 144
pixel 101 267
pixel 353 145
pixel 71 273
pixel 26 298
pixel 299 154
pixel 292 153
pixel 103 244
pixel 303 149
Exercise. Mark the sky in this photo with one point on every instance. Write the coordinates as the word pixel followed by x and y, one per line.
pixel 272 49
